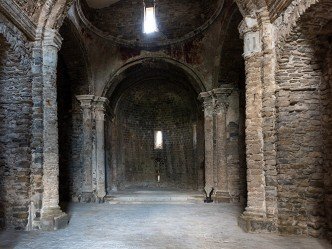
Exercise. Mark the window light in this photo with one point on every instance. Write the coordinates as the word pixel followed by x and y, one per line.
pixel 150 24
pixel 158 140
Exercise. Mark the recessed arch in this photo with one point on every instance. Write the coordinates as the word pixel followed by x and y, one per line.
pixel 148 96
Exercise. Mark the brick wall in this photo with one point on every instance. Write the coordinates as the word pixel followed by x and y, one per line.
pixel 15 126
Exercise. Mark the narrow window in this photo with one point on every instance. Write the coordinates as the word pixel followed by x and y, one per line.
pixel 150 24
pixel 158 140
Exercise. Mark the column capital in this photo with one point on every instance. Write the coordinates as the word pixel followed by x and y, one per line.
pixel 100 103
pixel 208 102
pixel 221 99
pixel 248 24
pixel 250 32
pixel 85 100
pixel 52 38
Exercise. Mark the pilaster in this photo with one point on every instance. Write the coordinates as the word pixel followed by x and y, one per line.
pixel 52 217
pixel 100 108
pixel 221 96
pixel 86 155
pixel 208 108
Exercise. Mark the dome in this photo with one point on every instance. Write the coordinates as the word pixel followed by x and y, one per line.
pixel 122 20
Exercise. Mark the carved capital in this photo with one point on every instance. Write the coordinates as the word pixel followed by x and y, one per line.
pixel 208 102
pixel 221 99
pixel 100 103
pixel 85 100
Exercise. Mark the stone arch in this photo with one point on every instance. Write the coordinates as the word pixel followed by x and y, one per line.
pixel 53 14
pixel 193 76
pixel 289 18
pixel 303 120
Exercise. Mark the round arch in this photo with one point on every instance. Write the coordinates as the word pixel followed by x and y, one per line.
pixel 191 75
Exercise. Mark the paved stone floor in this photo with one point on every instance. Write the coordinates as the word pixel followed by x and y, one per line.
pixel 153 226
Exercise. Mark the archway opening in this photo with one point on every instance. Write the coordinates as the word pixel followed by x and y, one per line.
pixel 155 138
pixel 72 80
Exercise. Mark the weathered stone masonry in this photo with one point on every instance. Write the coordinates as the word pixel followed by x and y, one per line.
pixel 15 124
pixel 287 54
pixel 304 123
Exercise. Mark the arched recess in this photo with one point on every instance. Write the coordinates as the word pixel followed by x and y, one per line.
pixel 304 129
pixel 145 97
pixel 73 78
pixel 15 127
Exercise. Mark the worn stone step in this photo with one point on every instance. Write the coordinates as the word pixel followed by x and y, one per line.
pixel 150 197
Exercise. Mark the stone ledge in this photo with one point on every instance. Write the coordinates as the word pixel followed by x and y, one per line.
pixel 252 224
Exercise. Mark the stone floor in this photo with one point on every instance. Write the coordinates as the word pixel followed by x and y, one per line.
pixel 153 226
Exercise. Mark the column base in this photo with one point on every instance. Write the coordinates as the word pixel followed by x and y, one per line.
pixel 52 219
pixel 222 197
pixel 90 197
pixel 257 224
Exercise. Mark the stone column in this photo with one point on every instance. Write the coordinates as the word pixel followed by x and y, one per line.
pixel 208 104
pixel 221 106
pixel 254 217
pixel 100 107
pixel 86 153
pixel 52 217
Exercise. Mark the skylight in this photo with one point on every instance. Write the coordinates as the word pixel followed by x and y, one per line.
pixel 150 24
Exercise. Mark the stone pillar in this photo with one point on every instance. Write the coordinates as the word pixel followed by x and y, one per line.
pixel 86 154
pixel 100 107
pixel 254 218
pixel 221 106
pixel 52 217
pixel 208 104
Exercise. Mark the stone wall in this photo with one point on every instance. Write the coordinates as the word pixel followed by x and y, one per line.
pixel 150 106
pixel 15 126
pixel 304 127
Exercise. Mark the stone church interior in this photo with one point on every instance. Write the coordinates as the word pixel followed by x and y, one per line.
pixel 166 124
